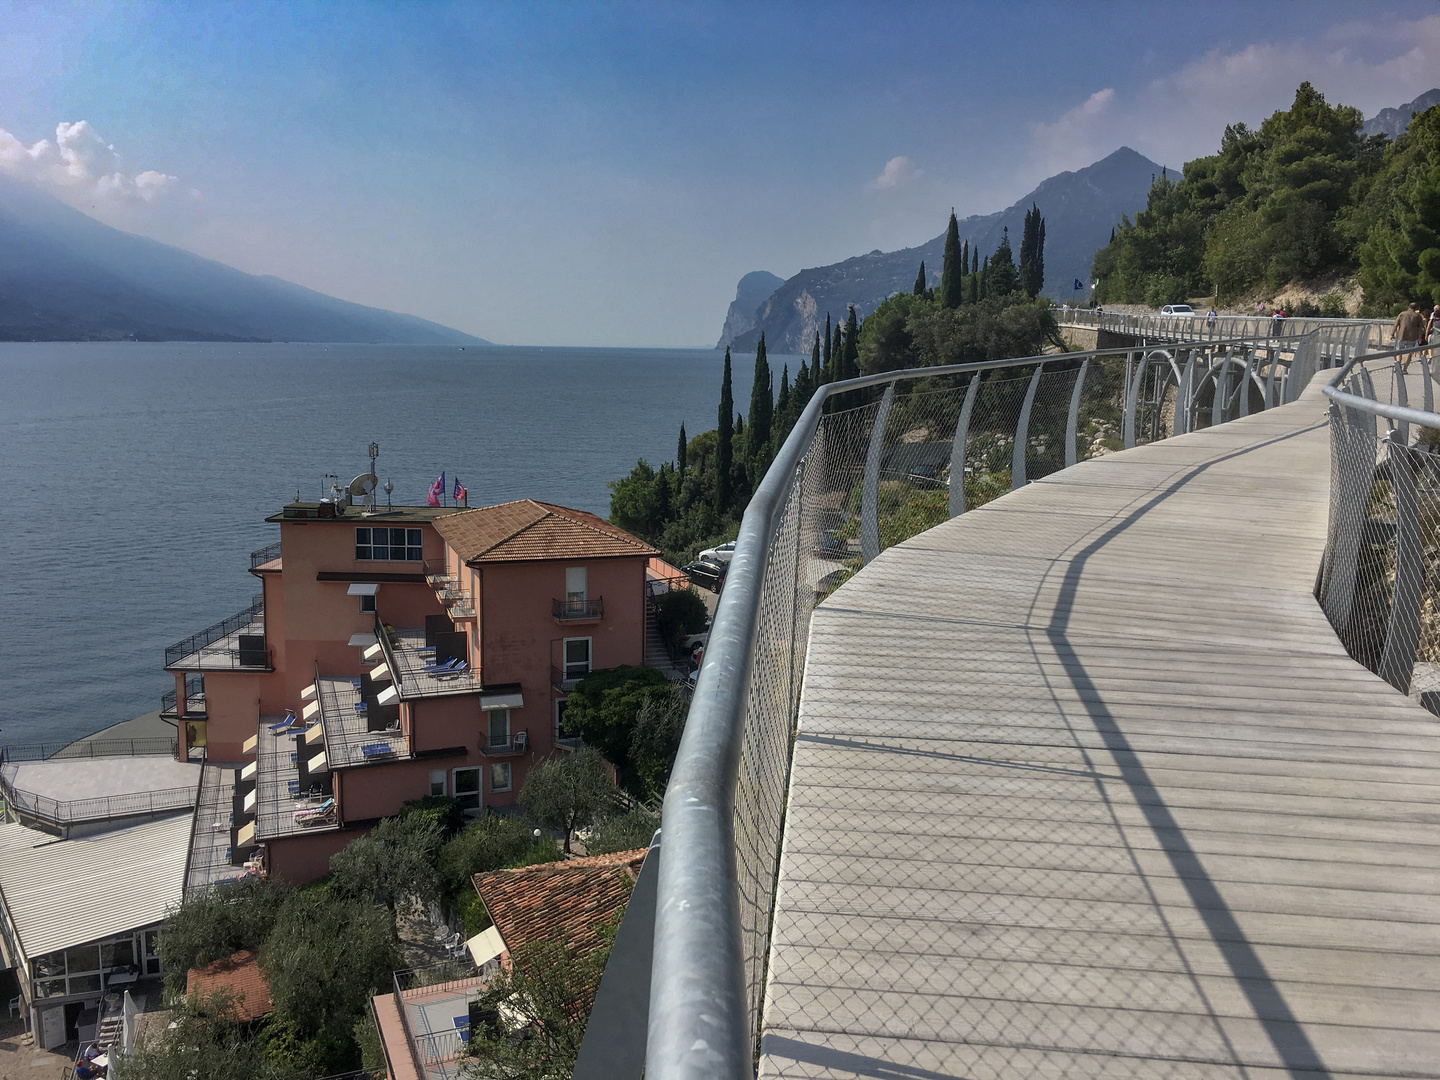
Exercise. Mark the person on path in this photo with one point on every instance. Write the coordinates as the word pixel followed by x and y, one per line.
pixel 1408 331
pixel 1432 329
pixel 1210 318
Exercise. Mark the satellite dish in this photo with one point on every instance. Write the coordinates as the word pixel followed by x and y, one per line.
pixel 364 484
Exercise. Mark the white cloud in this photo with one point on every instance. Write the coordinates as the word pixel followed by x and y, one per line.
pixel 81 163
pixel 897 171
pixel 1182 115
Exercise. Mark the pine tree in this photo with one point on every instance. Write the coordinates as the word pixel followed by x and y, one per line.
pixel 762 413
pixel 724 449
pixel 680 451
pixel 852 346
pixel 827 373
pixel 952 272
pixel 919 289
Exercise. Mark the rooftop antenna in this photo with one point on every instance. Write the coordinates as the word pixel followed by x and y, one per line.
pixel 364 484
pixel 389 487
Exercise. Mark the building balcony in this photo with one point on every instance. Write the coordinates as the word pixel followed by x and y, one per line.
pixel 567 678
pixel 425 1022
pixel 517 744
pixel 234 644
pixel 578 610
pixel 350 734
pixel 194 700
pixel 412 664
pixel 261 558
pixel 274 795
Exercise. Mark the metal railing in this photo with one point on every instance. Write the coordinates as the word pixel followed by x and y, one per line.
pixel 90 748
pixel 578 609
pixel 880 466
pixel 268 553
pixel 211 634
pixel 431 1049
pixel 194 695
pixel 66 812
pixel 1367 333
pixel 1380 579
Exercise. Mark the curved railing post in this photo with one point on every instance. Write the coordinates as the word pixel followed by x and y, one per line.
pixel 870 488
pixel 1072 419
pixel 1402 635
pixel 1222 390
pixel 1184 397
pixel 1022 432
pixel 957 449
pixel 1132 399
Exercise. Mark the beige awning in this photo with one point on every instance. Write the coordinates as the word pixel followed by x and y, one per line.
pixel 362 589
pixel 379 672
pixel 315 734
pixel 248 746
pixel 250 803
pixel 317 763
pixel 388 695
pixel 513 700
pixel 309 692
pixel 374 652
pixel 311 710
pixel 246 836
pixel 248 773
pixel 486 946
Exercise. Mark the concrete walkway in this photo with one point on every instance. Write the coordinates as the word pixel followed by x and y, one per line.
pixel 1085 786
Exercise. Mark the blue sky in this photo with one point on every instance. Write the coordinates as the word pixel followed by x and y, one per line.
pixel 602 174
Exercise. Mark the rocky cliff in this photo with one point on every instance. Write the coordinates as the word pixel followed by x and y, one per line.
pixel 1393 122
pixel 1080 208
pixel 754 287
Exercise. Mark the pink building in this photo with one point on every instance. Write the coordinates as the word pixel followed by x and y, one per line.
pixel 422 651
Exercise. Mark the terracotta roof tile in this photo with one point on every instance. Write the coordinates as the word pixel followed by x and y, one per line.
pixel 574 896
pixel 526 530
pixel 240 977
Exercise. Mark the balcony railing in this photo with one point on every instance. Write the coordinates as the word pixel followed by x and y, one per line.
pixel 992 426
pixel 518 743
pixel 90 748
pixel 236 657
pixel 194 696
pixel 65 812
pixel 578 609
pixel 429 1050
pixel 269 553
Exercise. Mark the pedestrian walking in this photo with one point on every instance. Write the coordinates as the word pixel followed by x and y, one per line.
pixel 1408 331
pixel 1210 318
pixel 1432 329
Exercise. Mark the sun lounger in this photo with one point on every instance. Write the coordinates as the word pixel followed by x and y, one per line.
pixel 315 815
pixel 446 665
pixel 374 750
pixel 276 729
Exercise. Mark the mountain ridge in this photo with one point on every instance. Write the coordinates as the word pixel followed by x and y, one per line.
pixel 1394 122
pixel 65 276
pixel 1079 207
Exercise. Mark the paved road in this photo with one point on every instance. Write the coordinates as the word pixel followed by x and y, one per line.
pixel 1086 787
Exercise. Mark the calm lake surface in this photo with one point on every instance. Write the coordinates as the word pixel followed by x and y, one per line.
pixel 136 478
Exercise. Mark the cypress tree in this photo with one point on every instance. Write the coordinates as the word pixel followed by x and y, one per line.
pixel 837 357
pixel 783 419
pixel 984 274
pixel 1003 278
pixel 680 452
pixel 952 272
pixel 827 373
pixel 723 446
pixel 964 268
pixel 975 260
pixel 1032 253
pixel 852 346
pixel 919 289
pixel 762 413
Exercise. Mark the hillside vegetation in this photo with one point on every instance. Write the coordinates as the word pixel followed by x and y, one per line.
pixel 1304 196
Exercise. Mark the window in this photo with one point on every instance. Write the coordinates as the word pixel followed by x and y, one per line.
pixel 467 788
pixel 367 605
pixel 500 776
pixel 437 782
pixel 388 545
pixel 577 657
pixel 499 727
pixel 560 718
pixel 152 952
pixel 575 584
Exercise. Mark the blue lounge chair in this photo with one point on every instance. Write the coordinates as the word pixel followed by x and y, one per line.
pixel 283 725
pixel 379 749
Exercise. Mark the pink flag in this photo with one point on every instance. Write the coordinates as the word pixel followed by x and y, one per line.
pixel 460 492
pixel 437 490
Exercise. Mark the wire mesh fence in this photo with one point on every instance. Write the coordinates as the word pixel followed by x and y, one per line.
pixel 1380 580
pixel 873 463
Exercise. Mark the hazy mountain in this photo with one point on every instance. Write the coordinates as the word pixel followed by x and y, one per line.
pixel 67 277
pixel 1393 122
pixel 1079 208
pixel 754 287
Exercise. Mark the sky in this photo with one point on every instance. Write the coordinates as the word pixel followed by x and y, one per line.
pixel 603 174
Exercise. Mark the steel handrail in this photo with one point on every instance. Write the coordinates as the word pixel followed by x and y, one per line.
pixel 1402 413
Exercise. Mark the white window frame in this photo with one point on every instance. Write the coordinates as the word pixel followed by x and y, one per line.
pixel 367 604
pixel 443 778
pixel 412 550
pixel 509 776
pixel 479 791
pixel 589 657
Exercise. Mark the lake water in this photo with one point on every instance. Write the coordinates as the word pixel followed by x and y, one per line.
pixel 135 478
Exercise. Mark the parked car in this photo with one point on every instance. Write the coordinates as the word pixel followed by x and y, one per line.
pixel 1177 309
pixel 706 574
pixel 720 553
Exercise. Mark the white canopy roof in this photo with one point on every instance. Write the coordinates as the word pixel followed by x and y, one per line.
pixel 61 893
pixel 362 589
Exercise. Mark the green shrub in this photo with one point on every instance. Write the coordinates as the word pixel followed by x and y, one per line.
pixel 486 844
pixel 603 706
pixel 446 812
pixel 678 613
pixel 1332 306
pixel 624 832
pixel 473 916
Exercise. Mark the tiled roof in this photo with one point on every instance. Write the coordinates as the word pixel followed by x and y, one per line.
pixel 575 896
pixel 526 530
pixel 239 977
